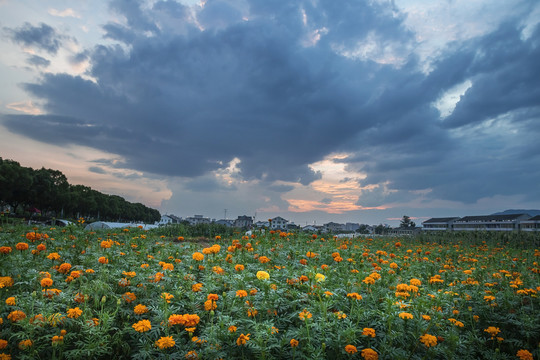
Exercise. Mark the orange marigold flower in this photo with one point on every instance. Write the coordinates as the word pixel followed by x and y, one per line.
pixel 405 315
pixel 492 330
pixel 369 332
pixel 351 349
pixel 242 339
pixel 42 247
pixel 524 354
pixel 21 246
pixel 428 340
pixel 140 309
pixel 241 293
pixel 191 355
pixel 198 256
pixel 5 249
pixel 369 354
pixel 3 344
pixel 213 297
pixel 167 297
pixel 103 260
pixel 264 259
pixel 165 342
pixel 232 329
pixel 294 343
pixel 142 326
pixel 354 296
pixel 129 297
pixel 11 301
pixel 16 315
pixel 196 287
pixel 304 314
pixel 64 268
pixel 25 344
pixel 210 305
pixel 74 313
pixel 239 267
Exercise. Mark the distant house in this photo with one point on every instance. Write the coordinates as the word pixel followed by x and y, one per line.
pixel 311 228
pixel 278 223
pixel 198 219
pixel 226 222
pixel 352 226
pixel 244 222
pixel 169 219
pixel 439 224
pixel 532 224
pixel 261 224
pixel 334 227
pixel 292 226
pixel 490 222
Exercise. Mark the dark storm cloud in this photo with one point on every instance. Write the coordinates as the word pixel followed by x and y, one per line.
pixel 43 37
pixel 38 61
pixel 268 84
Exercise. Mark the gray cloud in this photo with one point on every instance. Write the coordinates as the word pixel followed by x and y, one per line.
pixel 38 61
pixel 43 37
pixel 183 102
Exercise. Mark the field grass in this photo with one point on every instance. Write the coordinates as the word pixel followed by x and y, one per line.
pixel 67 293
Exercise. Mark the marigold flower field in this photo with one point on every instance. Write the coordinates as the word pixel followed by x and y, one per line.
pixel 72 294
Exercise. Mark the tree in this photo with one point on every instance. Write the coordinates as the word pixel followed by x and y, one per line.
pixel 406 222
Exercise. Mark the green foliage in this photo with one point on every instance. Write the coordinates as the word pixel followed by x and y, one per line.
pixel 486 280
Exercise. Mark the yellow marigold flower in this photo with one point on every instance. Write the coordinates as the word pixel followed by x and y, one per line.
pixel 319 277
pixel 426 317
pixel 524 354
pixel 351 349
pixel 405 315
pixel 294 343
pixel 242 339
pixel 263 275
pixel 428 340
pixel 165 342
pixel 74 313
pixel 369 354
pixel 369 332
pixel 140 309
pixel 11 301
pixel 142 326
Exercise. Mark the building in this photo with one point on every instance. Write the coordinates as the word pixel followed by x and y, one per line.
pixel 278 223
pixel 198 219
pixel 352 226
pixel 169 219
pixel 508 222
pixel 400 231
pixel 262 224
pixel 532 224
pixel 244 222
pixel 439 223
pixel 226 222
pixel 333 227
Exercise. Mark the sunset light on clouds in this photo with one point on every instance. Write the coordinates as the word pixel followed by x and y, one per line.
pixel 315 111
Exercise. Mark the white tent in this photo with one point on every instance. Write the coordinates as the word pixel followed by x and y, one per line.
pixel 116 225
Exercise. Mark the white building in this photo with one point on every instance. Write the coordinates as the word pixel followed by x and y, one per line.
pixel 278 223
pixel 169 219
pixel 198 219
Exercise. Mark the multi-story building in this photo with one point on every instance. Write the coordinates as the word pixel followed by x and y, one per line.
pixel 244 222
pixel 439 223
pixel 198 219
pixel 278 223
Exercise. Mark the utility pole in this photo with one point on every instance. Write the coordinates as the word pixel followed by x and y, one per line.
pixel 225 214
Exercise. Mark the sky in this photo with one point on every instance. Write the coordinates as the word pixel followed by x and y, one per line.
pixel 313 110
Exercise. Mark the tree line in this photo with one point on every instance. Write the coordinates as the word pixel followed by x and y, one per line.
pixel 27 190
